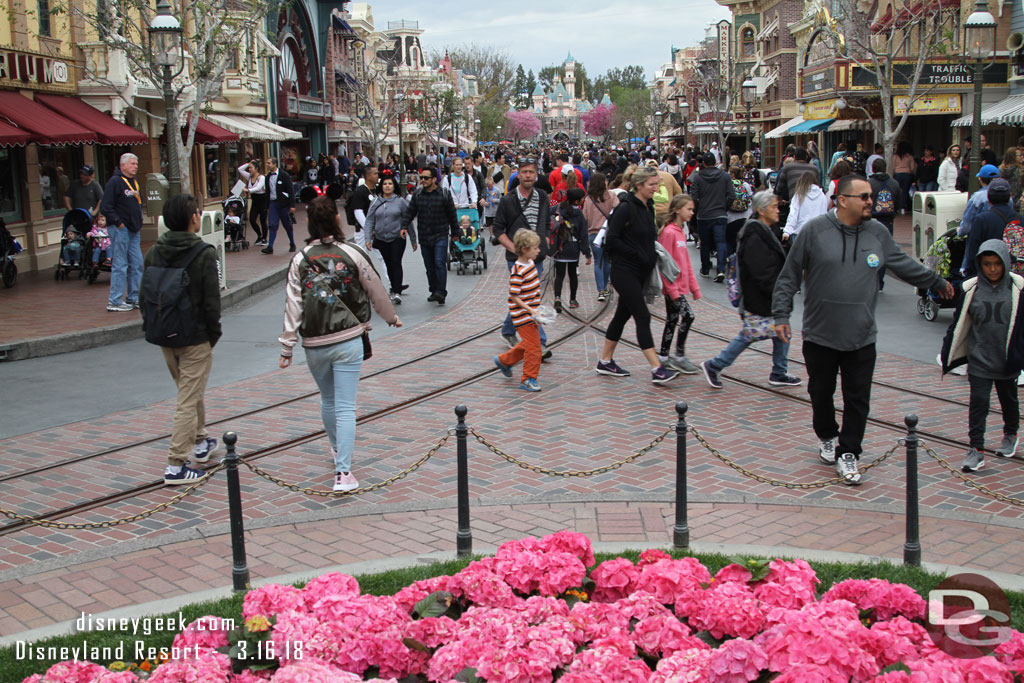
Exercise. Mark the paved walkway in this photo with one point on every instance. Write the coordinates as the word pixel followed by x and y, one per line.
pixel 580 421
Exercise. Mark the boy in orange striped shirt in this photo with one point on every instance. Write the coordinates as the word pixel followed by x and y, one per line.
pixel 523 300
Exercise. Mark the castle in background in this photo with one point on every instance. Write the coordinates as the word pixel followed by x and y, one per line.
pixel 560 111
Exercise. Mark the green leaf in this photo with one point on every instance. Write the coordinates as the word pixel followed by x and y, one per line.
pixel 709 639
pixel 468 675
pixel 414 644
pixel 898 666
pixel 272 664
pixel 434 605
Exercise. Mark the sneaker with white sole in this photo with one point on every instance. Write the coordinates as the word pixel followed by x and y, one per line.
pixel 610 368
pixel 786 380
pixel 511 340
pixel 711 375
pixel 530 384
pixel 344 481
pixel 974 460
pixel 202 451
pixel 120 308
pixel 601 296
pixel 185 475
pixel 827 451
pixel 846 468
pixel 663 375
pixel 681 364
pixel 1008 448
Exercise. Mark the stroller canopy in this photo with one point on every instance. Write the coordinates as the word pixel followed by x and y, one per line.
pixel 79 219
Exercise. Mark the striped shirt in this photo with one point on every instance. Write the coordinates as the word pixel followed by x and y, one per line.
pixel 524 283
pixel 531 209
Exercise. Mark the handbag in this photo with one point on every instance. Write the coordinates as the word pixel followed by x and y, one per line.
pixel 758 327
pixel 367 347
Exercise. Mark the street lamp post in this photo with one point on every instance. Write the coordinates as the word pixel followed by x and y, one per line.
pixel 749 95
pixel 400 105
pixel 657 129
pixel 979 45
pixel 476 123
pixel 167 54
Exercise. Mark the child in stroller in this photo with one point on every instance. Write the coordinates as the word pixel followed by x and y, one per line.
pixel 77 222
pixel 467 250
pixel 944 256
pixel 234 224
pixel 8 248
pixel 96 249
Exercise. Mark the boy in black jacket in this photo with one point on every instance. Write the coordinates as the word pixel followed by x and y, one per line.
pixel 568 239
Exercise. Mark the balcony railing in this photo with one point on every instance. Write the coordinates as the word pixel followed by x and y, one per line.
pixel 403 23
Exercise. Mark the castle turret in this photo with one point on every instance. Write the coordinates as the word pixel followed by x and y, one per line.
pixel 570 76
pixel 538 99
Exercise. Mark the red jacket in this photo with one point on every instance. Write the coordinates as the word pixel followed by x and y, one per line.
pixel 555 178
pixel 673 239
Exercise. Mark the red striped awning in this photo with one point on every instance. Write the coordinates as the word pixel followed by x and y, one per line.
pixel 109 130
pixel 47 126
pixel 11 136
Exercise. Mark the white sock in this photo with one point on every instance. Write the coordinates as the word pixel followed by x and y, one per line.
pixel 173 469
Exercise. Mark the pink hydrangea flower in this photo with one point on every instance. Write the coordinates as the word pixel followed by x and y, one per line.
pixel 985 670
pixel 730 609
pixel 210 668
pixel 272 599
pixel 313 672
pixel 604 660
pixel 892 677
pixel 737 661
pixel 885 598
pixel 250 676
pixel 410 595
pixel 73 672
pixel 733 572
pixel 333 584
pixel 674 581
pixel 685 666
pixel 1012 652
pixel 790 592
pixel 651 556
pixel 201 637
pixel 292 632
pixel 811 674
pixel 570 542
pixel 614 580
pixel 662 635
pixel 432 631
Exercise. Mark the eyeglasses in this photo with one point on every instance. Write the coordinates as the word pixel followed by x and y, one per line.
pixel 864 196
pixel 426 177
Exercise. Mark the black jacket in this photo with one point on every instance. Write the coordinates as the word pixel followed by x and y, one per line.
pixel 203 286
pixel 509 219
pixel 569 235
pixel 631 235
pixel 789 175
pixel 435 214
pixel 760 258
pixel 879 181
pixel 712 192
pixel 284 191
pixel 119 204
pixel 986 225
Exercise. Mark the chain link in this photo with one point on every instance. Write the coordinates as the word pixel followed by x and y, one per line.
pixel 786 484
pixel 356 492
pixel 107 524
pixel 571 473
pixel 970 482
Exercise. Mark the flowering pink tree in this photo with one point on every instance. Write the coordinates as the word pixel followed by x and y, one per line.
pixel 599 121
pixel 522 124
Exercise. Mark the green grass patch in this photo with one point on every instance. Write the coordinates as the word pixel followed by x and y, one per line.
pixel 13 669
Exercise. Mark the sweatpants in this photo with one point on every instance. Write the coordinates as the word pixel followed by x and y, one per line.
pixel 677 312
pixel 857 367
pixel 630 304
pixel 190 369
pixel 572 268
pixel 527 350
pixel 977 411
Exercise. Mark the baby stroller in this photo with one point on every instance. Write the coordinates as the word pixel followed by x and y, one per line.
pixel 234 231
pixel 73 246
pixel 468 251
pixel 945 256
pixel 92 264
pixel 8 248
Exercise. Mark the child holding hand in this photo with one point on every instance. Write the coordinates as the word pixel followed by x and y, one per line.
pixel 523 300
pixel 677 309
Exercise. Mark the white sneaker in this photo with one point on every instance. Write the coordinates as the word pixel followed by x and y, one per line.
pixel 846 467
pixel 827 451
pixel 344 481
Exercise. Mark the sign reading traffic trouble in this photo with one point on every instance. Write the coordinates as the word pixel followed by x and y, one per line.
pixel 30 70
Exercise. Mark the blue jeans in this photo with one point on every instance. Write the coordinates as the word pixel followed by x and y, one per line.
pixel 780 351
pixel 712 230
pixel 125 265
pixel 335 370
pixel 435 260
pixel 283 216
pixel 507 328
pixel 928 187
pixel 602 265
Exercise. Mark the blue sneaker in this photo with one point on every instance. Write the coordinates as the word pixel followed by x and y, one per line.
pixel 505 369
pixel 185 475
pixel 201 453
pixel 530 384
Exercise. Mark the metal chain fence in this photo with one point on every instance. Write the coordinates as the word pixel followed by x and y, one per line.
pixel 571 473
pixel 970 482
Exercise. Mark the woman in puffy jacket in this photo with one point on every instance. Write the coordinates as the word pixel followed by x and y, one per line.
pixel 949 169
pixel 808 202
pixel 384 228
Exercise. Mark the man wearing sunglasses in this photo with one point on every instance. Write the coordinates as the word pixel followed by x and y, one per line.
pixel 840 255
pixel 434 211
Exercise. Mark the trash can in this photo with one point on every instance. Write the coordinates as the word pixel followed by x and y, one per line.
pixel 212 231
pixel 933 212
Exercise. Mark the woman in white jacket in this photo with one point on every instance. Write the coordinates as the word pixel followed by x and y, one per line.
pixel 461 185
pixel 949 169
pixel 808 202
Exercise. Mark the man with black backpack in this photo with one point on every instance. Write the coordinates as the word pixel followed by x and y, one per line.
pixel 885 199
pixel 713 193
pixel 998 221
pixel 180 305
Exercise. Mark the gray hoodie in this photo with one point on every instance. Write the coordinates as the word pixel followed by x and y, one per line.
pixel 990 309
pixel 841 263
pixel 384 219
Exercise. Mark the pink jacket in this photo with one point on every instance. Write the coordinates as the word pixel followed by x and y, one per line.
pixel 673 239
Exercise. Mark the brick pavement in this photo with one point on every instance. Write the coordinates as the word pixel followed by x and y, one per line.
pixel 579 421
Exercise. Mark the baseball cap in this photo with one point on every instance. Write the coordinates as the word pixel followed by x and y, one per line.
pixel 988 171
pixel 998 191
pixel 87 170
pixel 568 169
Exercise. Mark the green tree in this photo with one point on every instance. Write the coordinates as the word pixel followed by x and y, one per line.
pixel 531 84
pixel 547 75
pixel 521 94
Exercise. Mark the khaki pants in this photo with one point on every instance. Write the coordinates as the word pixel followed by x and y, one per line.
pixel 190 368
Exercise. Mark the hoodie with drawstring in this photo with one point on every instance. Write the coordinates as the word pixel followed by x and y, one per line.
pixel 803 209
pixel 840 264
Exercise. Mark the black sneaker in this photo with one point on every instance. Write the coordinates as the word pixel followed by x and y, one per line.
pixel 432 297
pixel 711 375
pixel 186 475
pixel 610 368
pixel 784 381
pixel 705 273
pixel 663 375
pixel 267 250
pixel 573 303
pixel 558 305
pixel 719 277
pixel 291 248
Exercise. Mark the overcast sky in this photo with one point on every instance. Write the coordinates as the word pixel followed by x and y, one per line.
pixel 538 33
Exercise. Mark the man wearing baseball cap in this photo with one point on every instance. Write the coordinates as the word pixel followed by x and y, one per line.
pixel 979 200
pixel 990 222
pixel 85 194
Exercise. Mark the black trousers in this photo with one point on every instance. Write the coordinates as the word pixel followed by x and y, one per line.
pixel 977 411
pixel 259 204
pixel 561 268
pixel 677 312
pixel 857 368
pixel 392 253
pixel 631 304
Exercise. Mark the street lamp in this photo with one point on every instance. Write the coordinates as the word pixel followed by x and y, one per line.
pixel 682 110
pixel 657 129
pixel 400 106
pixel 167 54
pixel 749 89
pixel 476 122
pixel 979 45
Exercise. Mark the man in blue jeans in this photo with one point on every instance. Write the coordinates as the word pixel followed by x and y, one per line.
pixel 122 206
pixel 712 192
pixel 434 210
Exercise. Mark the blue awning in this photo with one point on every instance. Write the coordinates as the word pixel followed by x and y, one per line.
pixel 810 126
pixel 341 25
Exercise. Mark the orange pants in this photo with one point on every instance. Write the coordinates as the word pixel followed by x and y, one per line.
pixel 527 350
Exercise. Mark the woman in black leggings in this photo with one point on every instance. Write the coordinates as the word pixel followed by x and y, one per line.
pixel 630 244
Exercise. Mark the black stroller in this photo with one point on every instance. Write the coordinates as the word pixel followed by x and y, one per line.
pixel 73 244
pixel 8 248
pixel 945 256
pixel 234 230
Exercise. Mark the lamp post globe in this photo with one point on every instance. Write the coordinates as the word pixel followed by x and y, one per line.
pixel 979 45
pixel 167 56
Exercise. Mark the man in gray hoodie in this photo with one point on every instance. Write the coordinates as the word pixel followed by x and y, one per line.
pixel 840 255
pixel 712 192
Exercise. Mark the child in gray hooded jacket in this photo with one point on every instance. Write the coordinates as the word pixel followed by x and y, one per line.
pixel 986 334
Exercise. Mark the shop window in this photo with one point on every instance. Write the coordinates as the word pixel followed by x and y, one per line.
pixel 213 179
pixel 747 39
pixel 233 161
pixel 10 198
pixel 232 60
pixel 44 17
pixel 56 167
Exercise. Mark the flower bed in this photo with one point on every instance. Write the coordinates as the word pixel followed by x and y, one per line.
pixel 531 614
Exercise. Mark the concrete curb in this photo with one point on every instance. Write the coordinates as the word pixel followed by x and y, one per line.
pixel 126 331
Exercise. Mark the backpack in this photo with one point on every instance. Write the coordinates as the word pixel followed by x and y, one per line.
pixel 885 203
pixel 741 197
pixel 1013 235
pixel 350 209
pixel 167 308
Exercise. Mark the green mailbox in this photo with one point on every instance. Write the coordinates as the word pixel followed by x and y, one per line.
pixel 158 191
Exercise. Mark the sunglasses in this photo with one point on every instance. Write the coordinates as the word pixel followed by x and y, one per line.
pixel 426 177
pixel 864 196
pixel 527 160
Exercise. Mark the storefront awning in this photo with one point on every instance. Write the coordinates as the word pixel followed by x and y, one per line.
pixel 811 126
pixel 251 128
pixel 840 125
pixel 11 136
pixel 710 127
pixel 284 133
pixel 779 131
pixel 47 126
pixel 209 133
pixel 677 132
pixel 108 130
pixel 1009 112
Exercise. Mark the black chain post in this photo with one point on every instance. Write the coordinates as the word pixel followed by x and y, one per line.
pixel 681 531
pixel 239 569
pixel 912 548
pixel 464 536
